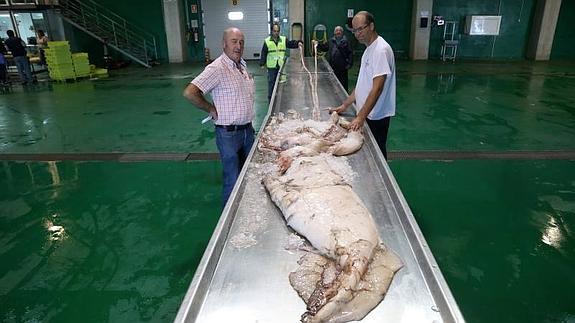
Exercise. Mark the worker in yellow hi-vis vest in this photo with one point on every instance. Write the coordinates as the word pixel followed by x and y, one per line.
pixel 273 55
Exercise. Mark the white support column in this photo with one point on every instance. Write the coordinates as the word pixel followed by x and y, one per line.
pixel 543 29
pixel 420 35
pixel 174 23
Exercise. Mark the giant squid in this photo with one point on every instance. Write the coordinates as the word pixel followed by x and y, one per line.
pixel 289 136
pixel 351 269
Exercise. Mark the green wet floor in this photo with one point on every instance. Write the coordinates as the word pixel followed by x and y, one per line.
pixel 481 107
pixel 132 234
pixel 135 110
pixel 503 233
pixel 462 106
pixel 501 230
pixel 102 241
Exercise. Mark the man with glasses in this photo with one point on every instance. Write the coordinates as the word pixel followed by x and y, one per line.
pixel 374 94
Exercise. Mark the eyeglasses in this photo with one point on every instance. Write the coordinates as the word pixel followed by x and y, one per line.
pixel 360 29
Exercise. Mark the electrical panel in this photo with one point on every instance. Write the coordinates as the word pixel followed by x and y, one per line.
pixel 482 25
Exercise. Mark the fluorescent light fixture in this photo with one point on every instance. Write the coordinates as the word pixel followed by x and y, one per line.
pixel 235 15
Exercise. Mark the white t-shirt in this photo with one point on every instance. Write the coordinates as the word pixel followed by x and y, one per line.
pixel 377 60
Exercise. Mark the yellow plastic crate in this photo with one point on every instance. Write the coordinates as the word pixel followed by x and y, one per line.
pixel 61 43
pixel 56 51
pixel 82 73
pixel 57 77
pixel 100 72
pixel 53 62
pixel 80 55
pixel 62 72
pixel 81 65
pixel 60 58
pixel 58 54
pixel 60 67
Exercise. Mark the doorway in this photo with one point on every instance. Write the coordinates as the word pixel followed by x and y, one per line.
pixel 251 16
pixel 28 23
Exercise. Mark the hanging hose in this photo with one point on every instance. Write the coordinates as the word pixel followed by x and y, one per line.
pixel 312 82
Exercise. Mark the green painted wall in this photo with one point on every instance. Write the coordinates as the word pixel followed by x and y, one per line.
pixel 147 15
pixel 392 20
pixel 82 42
pixel 513 32
pixel 563 44
pixel 195 48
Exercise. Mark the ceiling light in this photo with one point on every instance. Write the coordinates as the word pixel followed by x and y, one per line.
pixel 235 15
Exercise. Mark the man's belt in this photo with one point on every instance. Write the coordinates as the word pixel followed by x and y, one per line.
pixel 234 127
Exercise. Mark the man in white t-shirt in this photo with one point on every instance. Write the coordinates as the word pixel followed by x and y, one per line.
pixel 374 93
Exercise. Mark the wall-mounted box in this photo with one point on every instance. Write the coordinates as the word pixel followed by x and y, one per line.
pixel 482 25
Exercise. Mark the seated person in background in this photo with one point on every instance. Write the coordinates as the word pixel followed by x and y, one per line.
pixel 18 49
pixel 42 43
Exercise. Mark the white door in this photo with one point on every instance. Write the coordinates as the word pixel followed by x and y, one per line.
pixel 254 25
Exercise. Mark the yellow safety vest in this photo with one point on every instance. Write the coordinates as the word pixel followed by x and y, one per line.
pixel 276 53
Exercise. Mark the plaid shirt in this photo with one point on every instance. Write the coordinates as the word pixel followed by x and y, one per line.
pixel 232 90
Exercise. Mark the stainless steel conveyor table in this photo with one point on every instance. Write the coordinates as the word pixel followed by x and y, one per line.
pixel 243 275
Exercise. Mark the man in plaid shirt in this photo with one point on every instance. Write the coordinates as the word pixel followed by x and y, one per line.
pixel 232 90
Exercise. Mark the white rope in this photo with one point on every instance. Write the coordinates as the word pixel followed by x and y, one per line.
pixel 312 83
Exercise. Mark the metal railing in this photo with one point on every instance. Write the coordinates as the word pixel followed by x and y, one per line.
pixel 27 3
pixel 111 29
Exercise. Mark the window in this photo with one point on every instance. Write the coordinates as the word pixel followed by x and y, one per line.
pixel 23 2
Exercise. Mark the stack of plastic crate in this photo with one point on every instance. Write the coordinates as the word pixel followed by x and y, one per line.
pixel 59 60
pixel 81 64
pixel 100 73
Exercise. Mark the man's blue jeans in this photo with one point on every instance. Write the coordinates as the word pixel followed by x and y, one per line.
pixel 234 147
pixel 23 68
